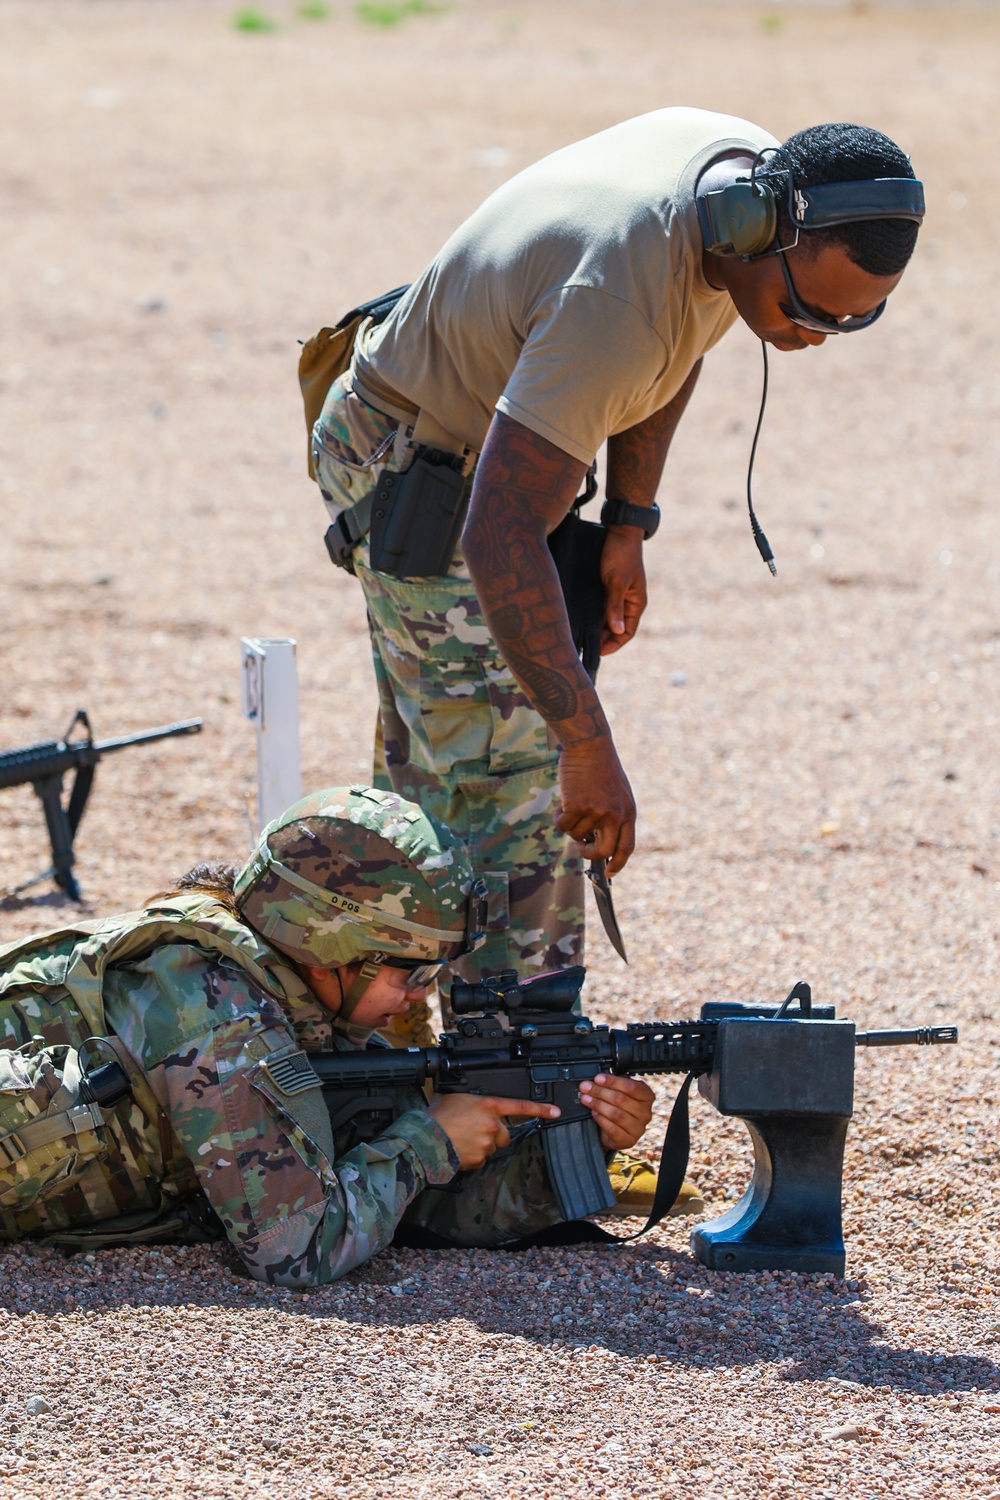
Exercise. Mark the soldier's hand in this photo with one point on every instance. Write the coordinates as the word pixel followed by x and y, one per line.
pixel 624 578
pixel 622 1107
pixel 598 809
pixel 476 1124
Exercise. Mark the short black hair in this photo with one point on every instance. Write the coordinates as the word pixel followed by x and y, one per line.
pixel 848 153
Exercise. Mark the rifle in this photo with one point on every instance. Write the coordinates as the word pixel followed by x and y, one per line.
pixel 45 764
pixel 788 1073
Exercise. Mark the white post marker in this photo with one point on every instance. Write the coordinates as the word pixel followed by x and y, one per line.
pixel 271 701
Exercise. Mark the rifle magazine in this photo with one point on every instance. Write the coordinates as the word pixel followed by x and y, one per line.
pixel 577 1169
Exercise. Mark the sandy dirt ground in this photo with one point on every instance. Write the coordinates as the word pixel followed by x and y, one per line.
pixel 814 755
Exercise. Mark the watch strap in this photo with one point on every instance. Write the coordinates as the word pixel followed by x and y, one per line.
pixel 622 513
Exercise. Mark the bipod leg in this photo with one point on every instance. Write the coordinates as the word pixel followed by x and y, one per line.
pixel 49 789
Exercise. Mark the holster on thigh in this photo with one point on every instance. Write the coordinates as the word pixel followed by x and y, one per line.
pixel 417 516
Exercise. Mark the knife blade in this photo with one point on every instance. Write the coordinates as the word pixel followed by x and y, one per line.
pixel 605 905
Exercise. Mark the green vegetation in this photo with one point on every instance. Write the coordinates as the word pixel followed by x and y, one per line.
pixel 391 12
pixel 254 20
pixel 314 10
pixel 770 21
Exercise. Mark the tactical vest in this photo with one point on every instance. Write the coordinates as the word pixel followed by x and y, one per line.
pixel 49 1134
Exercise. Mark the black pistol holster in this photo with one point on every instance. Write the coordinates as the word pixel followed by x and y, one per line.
pixel 417 516
pixel 576 546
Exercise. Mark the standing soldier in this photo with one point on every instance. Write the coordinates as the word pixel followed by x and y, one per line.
pixel 572 308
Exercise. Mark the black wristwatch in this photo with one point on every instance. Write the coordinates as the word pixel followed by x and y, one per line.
pixel 621 513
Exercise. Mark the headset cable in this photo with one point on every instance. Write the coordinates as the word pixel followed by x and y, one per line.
pixel 763 545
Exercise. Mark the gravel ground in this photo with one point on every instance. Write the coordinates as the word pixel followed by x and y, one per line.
pixel 813 755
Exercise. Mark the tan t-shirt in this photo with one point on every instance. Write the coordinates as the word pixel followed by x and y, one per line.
pixel 573 299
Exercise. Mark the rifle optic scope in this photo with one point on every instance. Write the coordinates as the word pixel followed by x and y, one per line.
pixel 549 992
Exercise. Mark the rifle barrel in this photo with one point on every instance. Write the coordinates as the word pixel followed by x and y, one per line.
pixel 915 1036
pixel 54 757
pixel 165 731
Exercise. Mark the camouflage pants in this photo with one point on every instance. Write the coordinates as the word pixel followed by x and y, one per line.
pixel 455 732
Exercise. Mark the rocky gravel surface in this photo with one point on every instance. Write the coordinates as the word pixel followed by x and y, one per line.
pixel 814 755
pixel 470 1374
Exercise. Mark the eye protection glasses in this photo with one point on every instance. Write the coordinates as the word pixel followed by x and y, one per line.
pixel 417 974
pixel 796 311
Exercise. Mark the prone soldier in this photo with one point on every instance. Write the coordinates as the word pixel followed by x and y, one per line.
pixel 155 1079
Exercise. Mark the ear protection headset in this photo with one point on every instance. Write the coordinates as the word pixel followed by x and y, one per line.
pixel 742 219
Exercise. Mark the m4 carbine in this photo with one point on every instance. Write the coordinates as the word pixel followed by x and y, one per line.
pixel 45 765
pixel 788 1073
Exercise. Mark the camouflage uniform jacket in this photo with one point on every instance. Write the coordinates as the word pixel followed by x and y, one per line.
pixel 204 1006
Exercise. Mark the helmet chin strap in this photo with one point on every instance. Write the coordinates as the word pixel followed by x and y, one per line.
pixel 367 972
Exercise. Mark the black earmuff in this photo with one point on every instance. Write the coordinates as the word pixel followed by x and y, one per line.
pixel 742 219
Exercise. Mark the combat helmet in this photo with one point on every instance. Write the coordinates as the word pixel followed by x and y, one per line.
pixel 354 873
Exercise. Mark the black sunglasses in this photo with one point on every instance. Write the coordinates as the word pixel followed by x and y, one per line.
pixel 797 312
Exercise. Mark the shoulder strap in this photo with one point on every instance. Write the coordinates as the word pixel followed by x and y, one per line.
pixel 378 309
pixel 79 1119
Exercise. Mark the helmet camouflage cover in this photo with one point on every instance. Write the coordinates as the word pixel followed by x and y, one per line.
pixel 351 872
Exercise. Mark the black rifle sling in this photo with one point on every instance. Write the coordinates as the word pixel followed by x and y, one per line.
pixel 84 778
pixel 669 1180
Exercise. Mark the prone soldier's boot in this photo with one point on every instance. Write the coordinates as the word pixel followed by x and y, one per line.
pixel 633 1182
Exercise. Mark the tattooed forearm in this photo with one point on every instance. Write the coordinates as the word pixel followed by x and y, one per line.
pixel 636 456
pixel 549 689
pixel 524 486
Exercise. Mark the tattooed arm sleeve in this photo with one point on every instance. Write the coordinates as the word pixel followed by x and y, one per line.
pixel 523 488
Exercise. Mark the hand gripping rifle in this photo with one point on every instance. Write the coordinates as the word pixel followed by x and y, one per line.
pixel 45 764
pixel 788 1073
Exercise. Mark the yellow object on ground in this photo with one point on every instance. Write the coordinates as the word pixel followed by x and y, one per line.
pixel 634 1183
